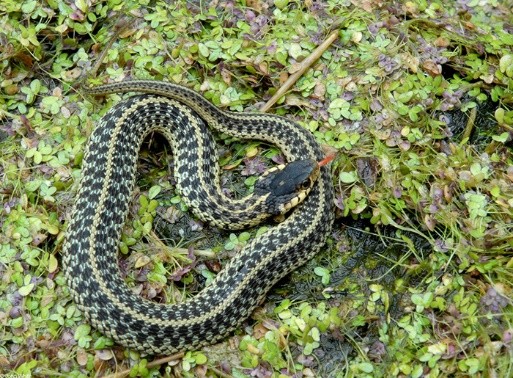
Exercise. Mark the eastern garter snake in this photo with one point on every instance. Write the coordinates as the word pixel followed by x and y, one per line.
pixel 108 178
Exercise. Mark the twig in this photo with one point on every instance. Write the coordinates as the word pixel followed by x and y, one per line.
pixel 151 364
pixel 305 64
pixel 470 125
pixel 219 372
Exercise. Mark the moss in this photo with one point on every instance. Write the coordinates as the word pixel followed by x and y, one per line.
pixel 416 98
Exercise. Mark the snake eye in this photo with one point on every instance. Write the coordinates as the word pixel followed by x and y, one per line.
pixel 305 185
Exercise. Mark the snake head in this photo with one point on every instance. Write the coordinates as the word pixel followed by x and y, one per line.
pixel 287 185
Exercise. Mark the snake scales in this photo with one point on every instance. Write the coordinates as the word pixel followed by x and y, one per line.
pixel 108 178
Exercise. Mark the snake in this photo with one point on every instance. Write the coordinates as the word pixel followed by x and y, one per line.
pixel 185 118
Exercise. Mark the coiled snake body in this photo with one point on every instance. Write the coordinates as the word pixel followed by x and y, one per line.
pixel 108 178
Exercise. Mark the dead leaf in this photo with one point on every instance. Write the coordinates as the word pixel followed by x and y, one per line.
pixel 441 42
pixel 81 357
pixel 432 68
pixel 104 354
pixel 283 77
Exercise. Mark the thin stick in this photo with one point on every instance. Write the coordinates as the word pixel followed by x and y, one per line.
pixel 305 64
pixel 151 364
pixel 470 125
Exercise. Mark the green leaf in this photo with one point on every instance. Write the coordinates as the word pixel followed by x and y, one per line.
pixel 244 236
pixel 348 177
pixel 32 186
pixel 495 191
pixel 25 290
pixel 70 311
pixel 475 169
pixel 323 273
pixel 505 62
pixel 402 109
pixel 203 50
pixel 499 115
pixel 17 322
pixel 404 97
pixel 200 358
pixel 413 113
pixel 316 335
pixel 295 50
pixel 506 65
pixel 365 367
pixel 281 57
pixel 438 348
pixel 503 138
pixel 280 4
pixel 152 206
pixel 82 330
pixel 338 103
pixel 154 191
pixel 468 105
pixel 82 5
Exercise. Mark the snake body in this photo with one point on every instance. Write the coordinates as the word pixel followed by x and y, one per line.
pixel 108 179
